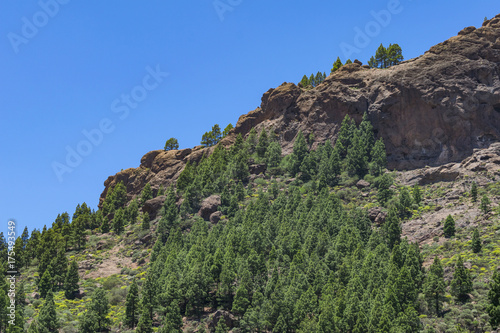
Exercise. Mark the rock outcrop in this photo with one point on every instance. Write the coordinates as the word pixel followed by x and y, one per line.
pixel 430 111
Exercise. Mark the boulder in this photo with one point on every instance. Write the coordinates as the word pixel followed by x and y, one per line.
pixel 361 184
pixel 256 169
pixel 213 320
pixel 209 206
pixel 153 206
pixel 215 217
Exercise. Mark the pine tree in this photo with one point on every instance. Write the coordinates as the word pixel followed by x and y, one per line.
pixel 344 138
pixel 417 194
pixel 394 55
pixel 493 307
pixel 228 128
pixel 384 184
pixel 473 192
pixel 461 285
pixel 273 155
pixel 356 159
pixel 312 80
pixel 145 324
pixel 379 158
pixel 88 323
pixel 434 286
pixel 485 204
pixel 71 280
pixel 348 61
pixel 251 141
pixel 336 65
pixel 299 153
pixel 100 307
pixel 449 227
pixel 372 62
pixel 146 194
pixel 132 305
pixel 392 228
pixel 145 221
pixel 241 300
pixel 47 319
pixel 105 225
pixel 366 136
pixel 381 57
pixel 4 301
pixel 133 210
pixel 304 82
pixel 171 144
pixel 405 203
pixel 476 241
pixel 46 283
pixel 172 323
pixel 263 144
pixel 119 221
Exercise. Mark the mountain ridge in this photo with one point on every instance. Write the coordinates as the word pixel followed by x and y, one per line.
pixel 430 110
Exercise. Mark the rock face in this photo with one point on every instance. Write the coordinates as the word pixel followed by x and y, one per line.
pixel 430 110
pixel 153 206
pixel 487 160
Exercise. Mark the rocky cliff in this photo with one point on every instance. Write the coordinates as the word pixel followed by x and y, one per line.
pixel 430 110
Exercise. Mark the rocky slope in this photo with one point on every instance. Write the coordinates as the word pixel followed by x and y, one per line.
pixel 431 110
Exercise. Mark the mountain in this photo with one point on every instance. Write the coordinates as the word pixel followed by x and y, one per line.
pixel 294 222
pixel 429 110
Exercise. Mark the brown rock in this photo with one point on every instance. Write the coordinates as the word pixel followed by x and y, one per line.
pixel 153 206
pixel 209 206
pixel 256 169
pixel 362 184
pixel 146 239
pixel 215 217
pixel 35 295
pixel 213 320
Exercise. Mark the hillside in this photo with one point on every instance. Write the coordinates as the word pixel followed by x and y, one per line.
pixel 367 204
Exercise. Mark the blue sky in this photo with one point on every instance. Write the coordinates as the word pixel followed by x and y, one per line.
pixel 100 67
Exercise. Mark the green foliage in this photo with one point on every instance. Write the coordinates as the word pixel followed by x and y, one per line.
pixel 392 228
pixel 417 194
pixel 45 285
pixel 386 57
pixel 312 81
pixel 263 144
pixel 133 210
pixel 384 184
pixel 485 204
pixel 145 221
pixel 47 319
pixel 449 227
pixel 146 193
pixel 476 242
pixel 336 65
pixel 300 150
pixel 71 280
pixel 171 144
pixel 493 307
pixel 473 192
pixel 394 55
pixel 228 128
pixel 405 203
pixel 132 305
pixel 434 286
pixel 273 155
pixel 99 309
pixel 119 221
pixel 211 138
pixel 461 285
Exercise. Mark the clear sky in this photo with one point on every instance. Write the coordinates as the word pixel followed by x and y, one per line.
pixel 77 69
